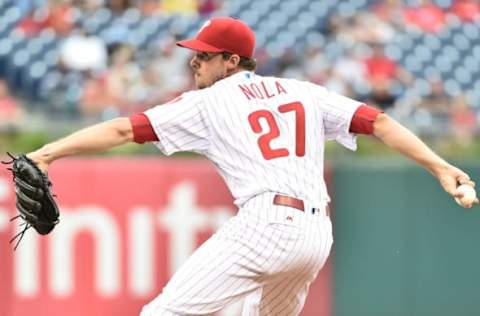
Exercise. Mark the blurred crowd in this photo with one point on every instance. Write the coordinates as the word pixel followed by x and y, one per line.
pixel 347 54
pixel 103 79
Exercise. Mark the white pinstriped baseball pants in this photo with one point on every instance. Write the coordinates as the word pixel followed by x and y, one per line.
pixel 267 254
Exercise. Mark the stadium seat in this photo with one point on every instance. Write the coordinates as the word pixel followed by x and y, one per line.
pixel 6 47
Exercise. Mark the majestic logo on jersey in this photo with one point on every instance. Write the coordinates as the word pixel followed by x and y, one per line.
pixel 207 23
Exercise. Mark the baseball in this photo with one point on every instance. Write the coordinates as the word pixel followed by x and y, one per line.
pixel 469 195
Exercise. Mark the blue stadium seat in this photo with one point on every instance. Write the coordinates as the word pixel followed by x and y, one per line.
pixel 405 42
pixel 393 52
pixel 320 8
pixel 472 32
pixel 235 8
pixel 462 76
pixel 452 87
pixel 98 21
pixel 47 85
pixel 6 48
pixel 432 42
pixel 443 64
pixel 422 87
pixel 291 8
pixel 31 79
pixel 461 42
pixel 476 52
pixel 11 15
pixel 413 64
pixel 474 96
pixel 346 9
pixel 14 68
pixel 422 53
pixel 333 50
pixel 472 64
pixel 451 52
pixel 51 58
pixel 131 16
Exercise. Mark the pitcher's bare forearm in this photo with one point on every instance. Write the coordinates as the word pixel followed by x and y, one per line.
pixel 401 139
pixel 96 138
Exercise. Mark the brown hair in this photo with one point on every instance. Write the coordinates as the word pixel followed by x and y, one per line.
pixel 245 62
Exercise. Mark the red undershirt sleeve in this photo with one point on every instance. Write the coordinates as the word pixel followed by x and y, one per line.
pixel 363 118
pixel 142 129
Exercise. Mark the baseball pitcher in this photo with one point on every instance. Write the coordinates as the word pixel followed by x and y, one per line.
pixel 266 136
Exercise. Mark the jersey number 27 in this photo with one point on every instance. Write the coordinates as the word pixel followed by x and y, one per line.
pixel 264 140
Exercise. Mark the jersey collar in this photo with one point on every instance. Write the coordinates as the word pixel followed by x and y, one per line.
pixel 243 75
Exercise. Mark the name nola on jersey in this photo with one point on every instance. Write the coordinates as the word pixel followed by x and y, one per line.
pixel 261 91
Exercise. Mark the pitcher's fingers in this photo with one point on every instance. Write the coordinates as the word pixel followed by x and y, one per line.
pixel 455 193
pixel 470 183
pixel 465 180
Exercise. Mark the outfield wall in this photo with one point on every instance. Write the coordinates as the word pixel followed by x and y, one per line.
pixel 403 247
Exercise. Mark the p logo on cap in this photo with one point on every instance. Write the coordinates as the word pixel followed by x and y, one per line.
pixel 223 34
pixel 207 23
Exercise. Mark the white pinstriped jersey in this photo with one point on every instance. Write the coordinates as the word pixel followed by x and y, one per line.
pixel 262 133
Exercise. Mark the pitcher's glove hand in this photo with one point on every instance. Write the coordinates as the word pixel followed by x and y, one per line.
pixel 35 202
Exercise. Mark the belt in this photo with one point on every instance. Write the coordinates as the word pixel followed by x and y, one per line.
pixel 289 201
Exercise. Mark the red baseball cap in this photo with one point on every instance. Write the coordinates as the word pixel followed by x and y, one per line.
pixel 223 34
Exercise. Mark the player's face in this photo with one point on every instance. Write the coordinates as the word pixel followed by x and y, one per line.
pixel 208 68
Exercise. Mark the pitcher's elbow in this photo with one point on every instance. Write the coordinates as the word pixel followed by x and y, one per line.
pixel 382 125
pixel 123 128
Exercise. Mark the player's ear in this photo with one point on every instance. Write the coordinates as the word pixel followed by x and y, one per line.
pixel 233 61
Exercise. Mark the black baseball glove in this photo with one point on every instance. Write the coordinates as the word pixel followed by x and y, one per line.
pixel 35 202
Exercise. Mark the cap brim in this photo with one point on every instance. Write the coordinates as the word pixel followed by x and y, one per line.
pixel 200 46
